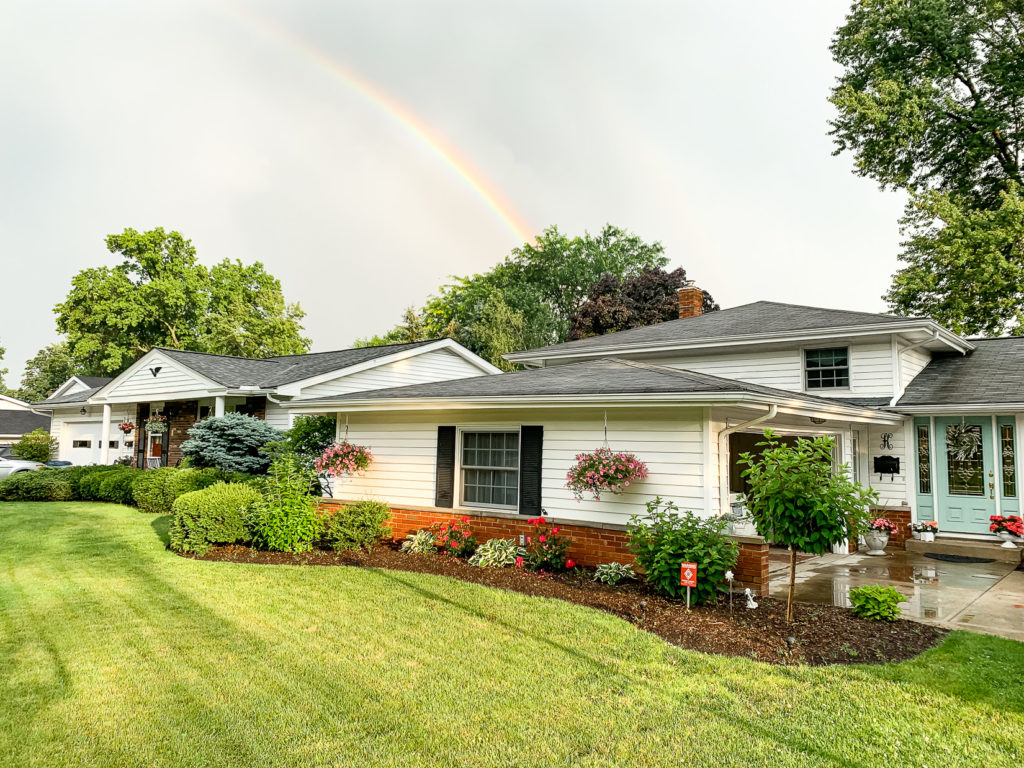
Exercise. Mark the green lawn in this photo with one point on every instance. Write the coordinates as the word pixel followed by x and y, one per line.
pixel 115 652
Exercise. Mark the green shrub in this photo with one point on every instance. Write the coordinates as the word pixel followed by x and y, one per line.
pixel 613 573
pixel 36 485
pixel 664 538
pixel 233 442
pixel 545 550
pixel 286 518
pixel 420 543
pixel 308 438
pixel 496 553
pixel 359 525
pixel 36 445
pixel 876 602
pixel 214 515
pixel 156 489
pixel 88 486
pixel 117 487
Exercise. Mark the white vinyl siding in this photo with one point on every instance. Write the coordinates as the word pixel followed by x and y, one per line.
pixel 912 362
pixel 439 365
pixel 893 490
pixel 278 416
pixel 172 382
pixel 669 441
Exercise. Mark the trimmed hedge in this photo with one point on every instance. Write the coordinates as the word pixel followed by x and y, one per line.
pixel 37 485
pixel 359 525
pixel 214 515
pixel 156 489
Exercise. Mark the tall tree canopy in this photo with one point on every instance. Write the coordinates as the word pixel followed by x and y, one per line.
pixel 51 367
pixel 161 296
pixel 614 304
pixel 531 297
pixel 932 100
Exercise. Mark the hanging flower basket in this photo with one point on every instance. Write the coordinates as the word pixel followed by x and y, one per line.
pixel 344 458
pixel 602 472
pixel 126 426
pixel 156 424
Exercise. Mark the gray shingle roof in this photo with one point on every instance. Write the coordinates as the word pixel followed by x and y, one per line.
pixel 759 318
pixel 94 381
pixel 992 373
pixel 72 397
pixel 605 376
pixel 18 422
pixel 274 371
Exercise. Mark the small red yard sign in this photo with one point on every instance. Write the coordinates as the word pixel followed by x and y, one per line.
pixel 688 575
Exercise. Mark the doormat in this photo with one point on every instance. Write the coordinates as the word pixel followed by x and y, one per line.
pixel 958 558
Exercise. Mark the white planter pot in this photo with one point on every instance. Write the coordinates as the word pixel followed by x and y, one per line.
pixel 876 541
pixel 1007 538
pixel 927 536
pixel 918 535
pixel 744 528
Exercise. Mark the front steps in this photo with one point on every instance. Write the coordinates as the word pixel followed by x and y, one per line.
pixel 966 548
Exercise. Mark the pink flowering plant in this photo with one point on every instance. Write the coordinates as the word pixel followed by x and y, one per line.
pixel 603 471
pixel 545 549
pixel 126 426
pixel 1006 524
pixel 883 525
pixel 454 538
pixel 343 458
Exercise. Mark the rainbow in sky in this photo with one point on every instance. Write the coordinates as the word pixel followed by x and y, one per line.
pixel 409 120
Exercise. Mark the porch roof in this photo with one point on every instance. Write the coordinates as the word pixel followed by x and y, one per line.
pixel 992 374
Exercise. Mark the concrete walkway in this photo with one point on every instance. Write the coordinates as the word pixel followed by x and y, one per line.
pixel 983 597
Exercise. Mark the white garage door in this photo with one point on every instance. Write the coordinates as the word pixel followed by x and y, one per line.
pixel 81 445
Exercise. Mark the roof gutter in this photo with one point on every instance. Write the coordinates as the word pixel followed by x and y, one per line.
pixel 723 448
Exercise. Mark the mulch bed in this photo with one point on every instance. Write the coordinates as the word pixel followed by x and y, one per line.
pixel 821 634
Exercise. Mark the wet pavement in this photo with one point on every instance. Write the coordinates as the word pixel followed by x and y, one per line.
pixel 983 597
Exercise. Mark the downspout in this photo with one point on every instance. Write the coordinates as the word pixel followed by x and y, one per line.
pixel 723 447
pixel 899 390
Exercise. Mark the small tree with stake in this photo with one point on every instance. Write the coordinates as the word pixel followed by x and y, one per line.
pixel 799 500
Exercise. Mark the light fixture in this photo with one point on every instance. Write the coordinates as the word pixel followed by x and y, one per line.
pixel 83 411
pixel 817 420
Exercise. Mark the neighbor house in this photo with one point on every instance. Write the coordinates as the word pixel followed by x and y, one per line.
pixel 901 397
pixel 16 419
pixel 185 387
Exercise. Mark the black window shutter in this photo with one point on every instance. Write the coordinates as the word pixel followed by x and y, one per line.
pixel 444 487
pixel 531 448
pixel 165 441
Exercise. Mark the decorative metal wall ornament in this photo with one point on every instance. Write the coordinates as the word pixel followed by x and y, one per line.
pixel 886 441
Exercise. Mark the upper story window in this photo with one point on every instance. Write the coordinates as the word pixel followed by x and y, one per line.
pixel 827 368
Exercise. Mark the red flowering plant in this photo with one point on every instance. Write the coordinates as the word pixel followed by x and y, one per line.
pixel 603 471
pixel 882 525
pixel 126 426
pixel 545 549
pixel 454 539
pixel 1008 523
pixel 343 458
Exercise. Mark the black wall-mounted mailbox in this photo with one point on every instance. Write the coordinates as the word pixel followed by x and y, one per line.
pixel 887 465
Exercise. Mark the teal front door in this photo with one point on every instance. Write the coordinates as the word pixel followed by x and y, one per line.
pixel 966 473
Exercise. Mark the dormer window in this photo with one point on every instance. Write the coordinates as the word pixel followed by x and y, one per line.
pixel 827 368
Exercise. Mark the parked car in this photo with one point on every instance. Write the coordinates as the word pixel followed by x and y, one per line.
pixel 9 466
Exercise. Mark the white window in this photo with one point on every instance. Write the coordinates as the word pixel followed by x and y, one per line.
pixel 827 368
pixel 490 469
pixel 81 443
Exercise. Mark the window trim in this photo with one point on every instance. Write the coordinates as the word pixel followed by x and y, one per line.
pixel 460 501
pixel 849 367
pixel 88 443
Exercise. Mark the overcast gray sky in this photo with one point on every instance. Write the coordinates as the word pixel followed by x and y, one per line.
pixel 363 151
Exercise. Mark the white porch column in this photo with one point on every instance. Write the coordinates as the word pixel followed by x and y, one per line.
pixel 219 404
pixel 105 435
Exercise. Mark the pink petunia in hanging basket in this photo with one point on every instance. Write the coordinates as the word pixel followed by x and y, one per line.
pixel 126 426
pixel 344 458
pixel 603 471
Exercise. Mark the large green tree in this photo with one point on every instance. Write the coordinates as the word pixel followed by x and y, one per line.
pixel 931 100
pixel 4 390
pixel 51 367
pixel 529 299
pixel 160 295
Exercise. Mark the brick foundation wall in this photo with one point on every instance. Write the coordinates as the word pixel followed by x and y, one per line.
pixel 591 544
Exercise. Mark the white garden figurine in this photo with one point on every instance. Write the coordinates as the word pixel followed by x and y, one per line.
pixel 751 602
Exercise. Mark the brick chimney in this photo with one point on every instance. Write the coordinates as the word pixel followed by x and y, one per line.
pixel 691 300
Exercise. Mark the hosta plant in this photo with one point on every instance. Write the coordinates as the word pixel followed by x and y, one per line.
pixel 420 543
pixel 613 573
pixel 496 553
pixel 344 458
pixel 453 538
pixel 545 549
pixel 876 602
pixel 603 472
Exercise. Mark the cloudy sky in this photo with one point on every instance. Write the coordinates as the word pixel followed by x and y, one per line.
pixel 363 151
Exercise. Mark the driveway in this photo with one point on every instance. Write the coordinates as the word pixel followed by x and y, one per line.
pixel 982 597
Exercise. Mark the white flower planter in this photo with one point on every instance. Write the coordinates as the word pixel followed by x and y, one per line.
pixel 927 536
pixel 1007 538
pixel 876 541
pixel 917 534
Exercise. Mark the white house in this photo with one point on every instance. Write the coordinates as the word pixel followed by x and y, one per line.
pixel 687 396
pixel 16 419
pixel 185 387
